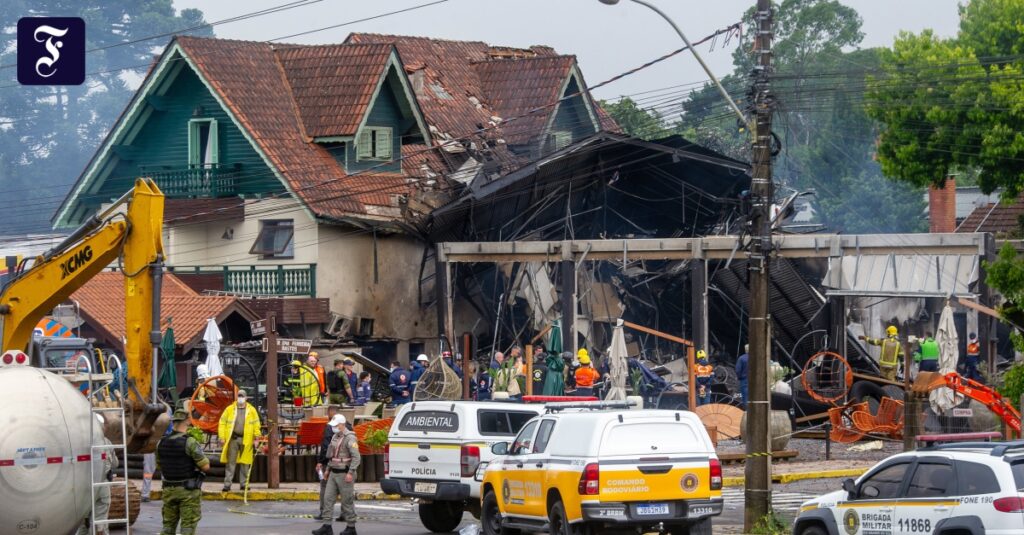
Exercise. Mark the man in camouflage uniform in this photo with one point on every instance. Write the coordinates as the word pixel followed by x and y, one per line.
pixel 342 464
pixel 180 460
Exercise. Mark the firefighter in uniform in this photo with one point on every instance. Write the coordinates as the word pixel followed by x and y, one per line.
pixel 705 373
pixel 182 464
pixel 342 464
pixel 973 356
pixel 892 352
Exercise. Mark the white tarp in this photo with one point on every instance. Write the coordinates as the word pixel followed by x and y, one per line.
pixel 618 369
pixel 911 275
pixel 212 338
pixel 943 399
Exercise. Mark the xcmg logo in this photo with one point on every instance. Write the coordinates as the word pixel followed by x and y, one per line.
pixel 76 261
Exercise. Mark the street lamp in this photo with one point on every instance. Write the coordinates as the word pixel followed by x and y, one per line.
pixel 725 94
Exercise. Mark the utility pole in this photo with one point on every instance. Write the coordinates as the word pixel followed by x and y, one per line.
pixel 758 463
pixel 273 465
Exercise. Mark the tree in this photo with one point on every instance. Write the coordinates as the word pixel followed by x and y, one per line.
pixel 827 140
pixel 48 133
pixel 635 121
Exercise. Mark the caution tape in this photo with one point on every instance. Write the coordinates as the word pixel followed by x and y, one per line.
pixel 36 461
pixel 268 515
pixel 760 454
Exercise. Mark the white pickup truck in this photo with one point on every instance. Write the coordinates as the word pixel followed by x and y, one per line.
pixel 435 449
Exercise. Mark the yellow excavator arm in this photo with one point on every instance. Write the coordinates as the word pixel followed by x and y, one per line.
pixel 130 230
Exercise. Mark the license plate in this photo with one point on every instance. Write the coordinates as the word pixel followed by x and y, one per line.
pixel 424 488
pixel 702 510
pixel 652 509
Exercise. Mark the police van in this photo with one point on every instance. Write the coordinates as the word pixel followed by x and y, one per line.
pixel 591 468
pixel 952 489
pixel 435 449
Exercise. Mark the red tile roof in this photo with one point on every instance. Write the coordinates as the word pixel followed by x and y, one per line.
pixel 997 218
pixel 101 302
pixel 318 91
pixel 333 84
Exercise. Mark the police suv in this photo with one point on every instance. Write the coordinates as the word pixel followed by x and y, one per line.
pixel 951 489
pixel 435 448
pixel 590 468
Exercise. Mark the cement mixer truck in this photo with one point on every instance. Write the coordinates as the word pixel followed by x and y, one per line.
pixel 48 457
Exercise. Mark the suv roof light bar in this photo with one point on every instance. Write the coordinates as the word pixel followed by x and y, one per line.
pixel 592 405
pixel 998 449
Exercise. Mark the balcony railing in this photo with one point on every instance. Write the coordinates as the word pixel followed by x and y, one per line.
pixel 278 280
pixel 213 181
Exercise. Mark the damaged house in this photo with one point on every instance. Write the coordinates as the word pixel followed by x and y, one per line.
pixel 301 179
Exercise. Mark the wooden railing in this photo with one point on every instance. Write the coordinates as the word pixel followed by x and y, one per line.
pixel 280 280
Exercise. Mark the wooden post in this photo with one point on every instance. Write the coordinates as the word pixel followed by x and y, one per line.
pixel 528 351
pixel 699 302
pixel 273 467
pixel 568 300
pixel 691 371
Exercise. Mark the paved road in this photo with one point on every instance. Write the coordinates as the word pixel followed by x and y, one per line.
pixel 400 517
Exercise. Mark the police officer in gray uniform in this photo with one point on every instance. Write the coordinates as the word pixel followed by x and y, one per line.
pixel 342 464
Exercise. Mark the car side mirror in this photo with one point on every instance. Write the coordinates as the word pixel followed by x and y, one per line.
pixel 851 488
pixel 870 491
pixel 500 448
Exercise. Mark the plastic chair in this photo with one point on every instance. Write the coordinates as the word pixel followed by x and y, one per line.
pixel 311 433
pixel 841 419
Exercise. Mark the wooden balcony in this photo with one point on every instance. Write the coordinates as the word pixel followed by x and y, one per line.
pixel 211 181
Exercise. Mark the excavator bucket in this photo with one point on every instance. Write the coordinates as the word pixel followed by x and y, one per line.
pixel 148 428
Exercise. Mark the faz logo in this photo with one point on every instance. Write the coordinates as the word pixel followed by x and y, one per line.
pixel 51 51
pixel 76 261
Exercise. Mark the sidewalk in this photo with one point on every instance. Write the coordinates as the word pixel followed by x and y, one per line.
pixel 287 492
pixel 789 471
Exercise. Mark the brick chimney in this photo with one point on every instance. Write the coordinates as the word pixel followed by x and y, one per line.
pixel 942 207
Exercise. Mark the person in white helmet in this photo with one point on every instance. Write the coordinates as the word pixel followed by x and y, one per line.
pixel 416 370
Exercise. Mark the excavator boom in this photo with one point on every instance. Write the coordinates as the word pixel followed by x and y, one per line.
pixel 987 396
pixel 130 230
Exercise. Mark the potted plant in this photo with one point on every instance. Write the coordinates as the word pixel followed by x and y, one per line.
pixel 372 468
pixel 636 379
pixel 500 379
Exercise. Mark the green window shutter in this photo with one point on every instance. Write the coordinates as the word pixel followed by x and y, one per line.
pixel 193 143
pixel 364 145
pixel 383 136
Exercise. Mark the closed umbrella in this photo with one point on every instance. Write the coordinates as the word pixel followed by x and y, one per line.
pixel 168 375
pixel 555 338
pixel 943 399
pixel 212 338
pixel 618 368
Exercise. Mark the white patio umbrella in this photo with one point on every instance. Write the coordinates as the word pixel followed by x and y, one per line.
pixel 943 399
pixel 618 369
pixel 212 338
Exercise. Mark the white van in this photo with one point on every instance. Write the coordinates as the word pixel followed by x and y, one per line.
pixel 435 448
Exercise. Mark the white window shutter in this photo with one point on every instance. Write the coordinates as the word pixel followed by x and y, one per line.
pixel 364 145
pixel 383 136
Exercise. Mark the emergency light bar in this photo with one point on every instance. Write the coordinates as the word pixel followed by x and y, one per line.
pixel 593 405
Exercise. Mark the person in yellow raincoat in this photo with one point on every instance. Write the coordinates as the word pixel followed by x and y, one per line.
pixel 304 385
pixel 238 430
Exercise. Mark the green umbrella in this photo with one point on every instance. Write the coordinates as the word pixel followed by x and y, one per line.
pixel 168 375
pixel 555 338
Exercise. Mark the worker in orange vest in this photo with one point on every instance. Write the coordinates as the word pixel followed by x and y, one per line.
pixel 585 375
pixel 705 372
pixel 973 356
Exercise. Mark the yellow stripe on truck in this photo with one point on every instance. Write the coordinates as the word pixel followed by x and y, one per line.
pixel 432 446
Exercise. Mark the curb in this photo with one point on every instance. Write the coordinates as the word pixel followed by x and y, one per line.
pixel 281 496
pixel 738 481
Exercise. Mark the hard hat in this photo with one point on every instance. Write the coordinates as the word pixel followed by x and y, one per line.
pixel 313 355
pixel 202 371
pixel 584 358
pixel 891 330
pixel 582 353
pixel 446 354
pixel 296 364
pixel 179 416
pixel 422 358
pixel 339 419
pixel 701 354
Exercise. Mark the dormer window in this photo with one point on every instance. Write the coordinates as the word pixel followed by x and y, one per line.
pixel 374 143
pixel 202 143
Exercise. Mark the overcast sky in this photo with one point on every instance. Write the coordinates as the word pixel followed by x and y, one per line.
pixel 607 39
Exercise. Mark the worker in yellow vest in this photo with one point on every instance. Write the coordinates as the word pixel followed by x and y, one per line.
pixel 705 373
pixel 892 352
pixel 973 357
